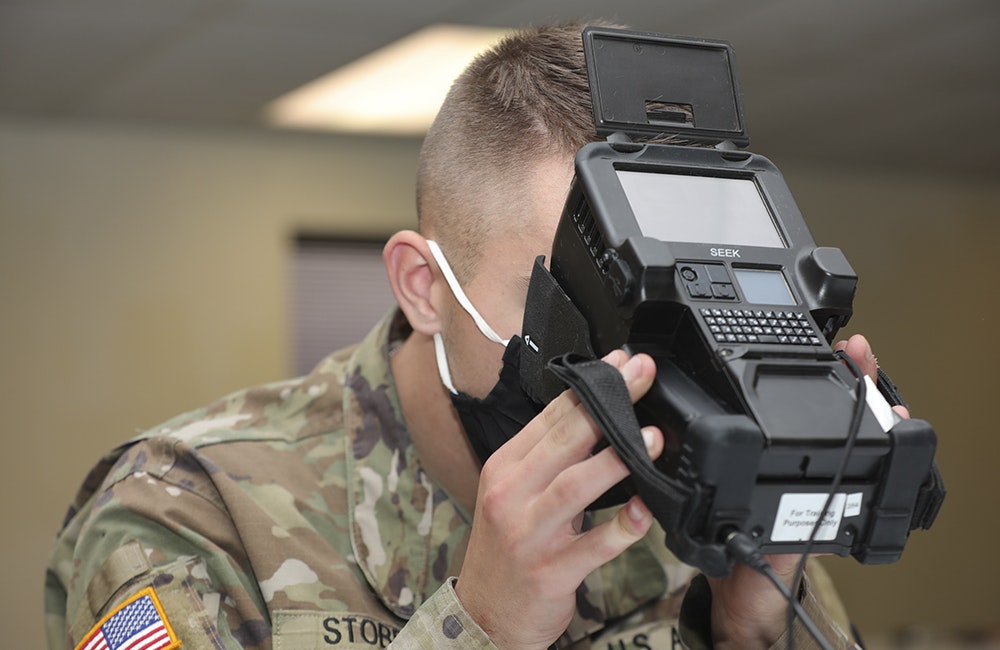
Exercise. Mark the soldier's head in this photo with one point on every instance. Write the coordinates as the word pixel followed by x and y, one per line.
pixel 523 103
pixel 494 172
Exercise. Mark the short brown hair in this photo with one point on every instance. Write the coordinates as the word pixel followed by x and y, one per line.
pixel 526 99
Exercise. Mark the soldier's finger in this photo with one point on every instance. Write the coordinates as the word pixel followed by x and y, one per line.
pixel 608 540
pixel 553 414
pixel 581 484
pixel 572 438
pixel 858 348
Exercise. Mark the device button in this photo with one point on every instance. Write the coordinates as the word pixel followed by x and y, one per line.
pixel 698 289
pixel 724 291
pixel 718 273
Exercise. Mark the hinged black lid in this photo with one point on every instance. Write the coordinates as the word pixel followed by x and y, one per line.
pixel 645 84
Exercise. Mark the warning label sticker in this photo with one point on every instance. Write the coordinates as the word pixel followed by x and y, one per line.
pixel 798 514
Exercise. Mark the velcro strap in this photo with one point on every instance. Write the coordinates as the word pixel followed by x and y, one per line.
pixel 602 390
pixel 888 389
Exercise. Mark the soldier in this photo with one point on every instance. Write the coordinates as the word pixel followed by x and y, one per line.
pixel 347 509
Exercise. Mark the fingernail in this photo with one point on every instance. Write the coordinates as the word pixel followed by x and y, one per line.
pixel 631 369
pixel 647 437
pixel 636 511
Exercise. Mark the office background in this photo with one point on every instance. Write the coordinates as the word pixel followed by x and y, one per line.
pixel 148 228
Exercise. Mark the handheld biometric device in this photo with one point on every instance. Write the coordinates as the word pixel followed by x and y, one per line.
pixel 698 256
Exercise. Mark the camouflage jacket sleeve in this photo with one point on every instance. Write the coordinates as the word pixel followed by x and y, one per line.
pixel 163 529
pixel 442 623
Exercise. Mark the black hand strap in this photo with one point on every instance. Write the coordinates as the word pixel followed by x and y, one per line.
pixel 603 392
pixel 888 389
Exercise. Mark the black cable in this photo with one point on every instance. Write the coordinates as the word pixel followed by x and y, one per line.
pixel 744 550
pixel 796 607
pixel 860 401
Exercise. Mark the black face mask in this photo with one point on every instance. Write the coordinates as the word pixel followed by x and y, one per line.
pixel 493 420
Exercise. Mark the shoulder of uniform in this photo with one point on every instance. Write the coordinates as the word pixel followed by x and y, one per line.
pixel 286 410
pixel 283 412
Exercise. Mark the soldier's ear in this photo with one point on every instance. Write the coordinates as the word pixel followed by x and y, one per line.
pixel 414 280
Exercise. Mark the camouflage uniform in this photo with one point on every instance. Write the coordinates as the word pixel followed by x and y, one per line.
pixel 297 515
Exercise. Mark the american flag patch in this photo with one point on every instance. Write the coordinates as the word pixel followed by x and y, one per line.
pixel 137 624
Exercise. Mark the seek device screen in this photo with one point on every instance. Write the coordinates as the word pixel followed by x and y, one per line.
pixel 764 287
pixel 699 209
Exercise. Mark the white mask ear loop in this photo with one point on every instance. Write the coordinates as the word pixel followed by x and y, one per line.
pixel 442 362
pixel 463 300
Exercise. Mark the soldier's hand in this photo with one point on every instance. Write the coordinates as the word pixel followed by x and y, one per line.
pixel 527 554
